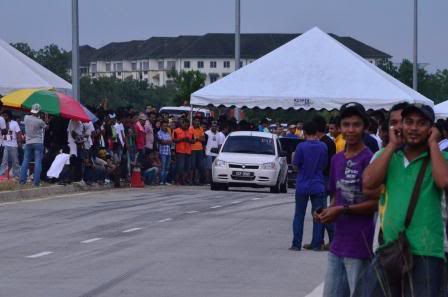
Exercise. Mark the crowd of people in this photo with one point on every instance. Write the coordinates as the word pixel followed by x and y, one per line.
pixel 359 170
pixel 385 174
pixel 165 149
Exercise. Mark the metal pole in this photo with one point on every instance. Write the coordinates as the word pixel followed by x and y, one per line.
pixel 415 63
pixel 75 51
pixel 237 45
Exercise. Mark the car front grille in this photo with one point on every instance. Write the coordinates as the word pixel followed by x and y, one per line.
pixel 243 166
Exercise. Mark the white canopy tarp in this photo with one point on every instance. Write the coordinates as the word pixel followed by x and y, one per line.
pixel 18 71
pixel 312 71
pixel 441 110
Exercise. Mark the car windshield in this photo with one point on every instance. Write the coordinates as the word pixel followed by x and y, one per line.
pixel 249 145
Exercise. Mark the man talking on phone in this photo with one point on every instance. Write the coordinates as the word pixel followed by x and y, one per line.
pixel 411 158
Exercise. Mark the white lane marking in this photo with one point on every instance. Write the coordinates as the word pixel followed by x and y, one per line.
pixel 91 240
pixel 165 220
pixel 132 230
pixel 192 212
pixel 39 255
pixel 254 199
pixel 317 292
pixel 236 202
pixel 216 206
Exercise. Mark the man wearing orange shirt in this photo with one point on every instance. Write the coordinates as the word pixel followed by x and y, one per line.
pixel 183 139
pixel 197 152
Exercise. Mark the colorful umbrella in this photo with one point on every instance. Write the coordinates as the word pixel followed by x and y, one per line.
pixel 91 115
pixel 51 102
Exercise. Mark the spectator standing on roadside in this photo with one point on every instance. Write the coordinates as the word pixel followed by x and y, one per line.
pixel 11 145
pixel 292 131
pixel 183 140
pixel 140 137
pixel 397 167
pixel 335 132
pixel 3 132
pixel 165 142
pixel 197 152
pixel 311 159
pixel 350 211
pixel 214 139
pixel 34 131
pixel 321 125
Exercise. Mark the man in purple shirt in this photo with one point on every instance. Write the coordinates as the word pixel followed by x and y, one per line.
pixel 310 158
pixel 350 211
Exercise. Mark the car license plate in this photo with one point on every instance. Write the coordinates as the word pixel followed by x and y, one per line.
pixel 243 173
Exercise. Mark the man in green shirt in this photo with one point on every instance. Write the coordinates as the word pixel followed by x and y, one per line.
pixel 403 158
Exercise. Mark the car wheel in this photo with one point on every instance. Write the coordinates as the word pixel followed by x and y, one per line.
pixel 284 187
pixel 218 187
pixel 276 188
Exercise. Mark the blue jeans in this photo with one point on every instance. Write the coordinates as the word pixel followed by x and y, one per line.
pixel 426 279
pixel 10 157
pixel 38 150
pixel 165 161
pixel 149 176
pixel 342 275
pixel 317 201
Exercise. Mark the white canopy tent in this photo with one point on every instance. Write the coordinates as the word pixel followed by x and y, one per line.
pixel 313 71
pixel 18 71
pixel 441 110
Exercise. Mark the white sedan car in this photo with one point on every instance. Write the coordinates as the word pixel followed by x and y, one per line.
pixel 250 159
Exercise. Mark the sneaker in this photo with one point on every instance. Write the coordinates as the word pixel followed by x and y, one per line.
pixel 308 247
pixel 294 248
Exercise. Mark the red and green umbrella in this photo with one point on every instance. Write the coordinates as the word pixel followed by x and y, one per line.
pixel 51 102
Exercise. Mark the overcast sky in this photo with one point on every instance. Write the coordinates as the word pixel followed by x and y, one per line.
pixel 384 24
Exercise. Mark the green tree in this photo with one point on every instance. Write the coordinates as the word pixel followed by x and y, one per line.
pixel 186 83
pixel 54 59
pixel 25 49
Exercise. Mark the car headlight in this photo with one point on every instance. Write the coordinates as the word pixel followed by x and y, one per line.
pixel 220 163
pixel 268 166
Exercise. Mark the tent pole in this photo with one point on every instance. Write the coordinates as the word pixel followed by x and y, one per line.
pixel 75 51
pixel 237 46
pixel 415 64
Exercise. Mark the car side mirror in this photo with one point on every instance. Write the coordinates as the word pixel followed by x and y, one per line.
pixel 214 150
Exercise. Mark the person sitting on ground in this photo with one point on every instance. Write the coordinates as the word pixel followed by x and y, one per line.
pixel 60 170
pixel 151 168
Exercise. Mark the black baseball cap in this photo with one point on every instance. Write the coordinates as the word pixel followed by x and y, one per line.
pixel 354 108
pixel 425 110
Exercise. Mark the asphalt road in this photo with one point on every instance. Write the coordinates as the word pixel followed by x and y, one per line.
pixel 158 242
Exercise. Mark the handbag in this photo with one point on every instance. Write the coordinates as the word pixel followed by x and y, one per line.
pixel 396 257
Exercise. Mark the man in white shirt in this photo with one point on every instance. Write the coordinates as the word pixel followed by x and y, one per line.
pixel 3 132
pixel 11 147
pixel 214 139
pixel 119 130
pixel 75 132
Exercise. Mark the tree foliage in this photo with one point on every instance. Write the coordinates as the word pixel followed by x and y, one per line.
pixel 186 83
pixel 51 57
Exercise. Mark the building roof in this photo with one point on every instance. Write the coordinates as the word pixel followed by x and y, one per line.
pixel 86 55
pixel 211 45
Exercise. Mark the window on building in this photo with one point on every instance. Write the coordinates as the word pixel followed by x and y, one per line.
pixel 213 77
pixel 107 67
pixel 93 68
pixel 145 65
pixel 241 64
pixel 118 73
pixel 84 70
pixel 200 64
pixel 187 64
pixel 226 64
pixel 160 65
pixel 145 72
pixel 118 67
pixel 171 65
pixel 212 64
pixel 134 66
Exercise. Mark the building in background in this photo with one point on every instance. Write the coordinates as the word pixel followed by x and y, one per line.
pixel 212 54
